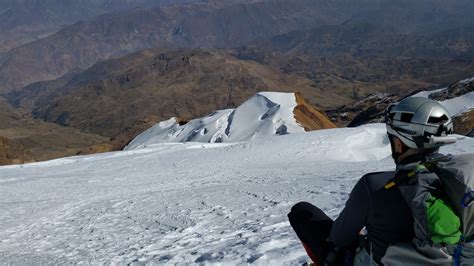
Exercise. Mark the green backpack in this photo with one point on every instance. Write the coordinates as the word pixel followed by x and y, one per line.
pixel 440 195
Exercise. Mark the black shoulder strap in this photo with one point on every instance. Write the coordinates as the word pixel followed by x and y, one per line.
pixel 404 176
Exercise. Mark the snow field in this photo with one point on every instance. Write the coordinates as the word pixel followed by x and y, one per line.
pixel 184 203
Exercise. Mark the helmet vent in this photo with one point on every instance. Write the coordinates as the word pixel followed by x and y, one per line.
pixel 405 131
pixel 406 117
pixel 438 120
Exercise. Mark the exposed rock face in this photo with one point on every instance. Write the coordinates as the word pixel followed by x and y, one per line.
pixel 309 116
pixel 464 124
pixel 12 152
pixel 371 109
pixel 368 110
pixel 455 90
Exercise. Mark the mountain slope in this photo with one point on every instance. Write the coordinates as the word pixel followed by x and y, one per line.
pixel 116 34
pixel 112 96
pixel 24 21
pixel 358 76
pixel 212 26
pixel 362 39
pixel 265 114
pixel 24 139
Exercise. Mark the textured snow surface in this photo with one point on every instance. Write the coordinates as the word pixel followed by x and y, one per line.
pixel 459 105
pixel 184 203
pixel 265 114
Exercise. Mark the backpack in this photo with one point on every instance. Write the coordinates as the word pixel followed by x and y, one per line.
pixel 440 195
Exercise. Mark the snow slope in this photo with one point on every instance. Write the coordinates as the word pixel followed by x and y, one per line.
pixel 265 114
pixel 184 203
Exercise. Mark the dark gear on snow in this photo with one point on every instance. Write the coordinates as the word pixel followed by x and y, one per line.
pixel 313 226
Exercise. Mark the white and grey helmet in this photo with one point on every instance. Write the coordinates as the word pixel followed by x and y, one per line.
pixel 420 123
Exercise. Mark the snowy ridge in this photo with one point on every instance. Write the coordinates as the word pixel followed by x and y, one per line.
pixel 460 105
pixel 265 114
pixel 466 81
pixel 455 106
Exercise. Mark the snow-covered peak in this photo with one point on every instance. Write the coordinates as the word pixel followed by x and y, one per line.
pixel 265 114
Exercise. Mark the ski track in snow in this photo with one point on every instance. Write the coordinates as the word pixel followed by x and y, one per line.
pixel 183 203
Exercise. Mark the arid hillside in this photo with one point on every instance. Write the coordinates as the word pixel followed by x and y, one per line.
pixel 213 24
pixel 25 21
pixel 113 96
pixel 201 25
pixel 25 139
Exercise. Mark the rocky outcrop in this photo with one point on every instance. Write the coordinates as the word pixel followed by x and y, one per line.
pixel 455 90
pixel 464 124
pixel 309 116
pixel 12 152
pixel 371 109
pixel 368 110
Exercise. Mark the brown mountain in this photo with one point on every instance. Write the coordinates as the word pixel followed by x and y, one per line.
pixel 24 21
pixel 121 97
pixel 362 39
pixel 199 25
pixel 115 100
pixel 24 139
pixel 116 95
pixel 361 76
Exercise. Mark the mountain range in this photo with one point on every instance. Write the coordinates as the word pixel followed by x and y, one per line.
pixel 107 70
pixel 24 21
pixel 366 39
pixel 182 131
pixel 119 98
pixel 208 25
pixel 81 45
pixel 113 96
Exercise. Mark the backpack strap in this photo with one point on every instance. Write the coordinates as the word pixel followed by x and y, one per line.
pixel 403 176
